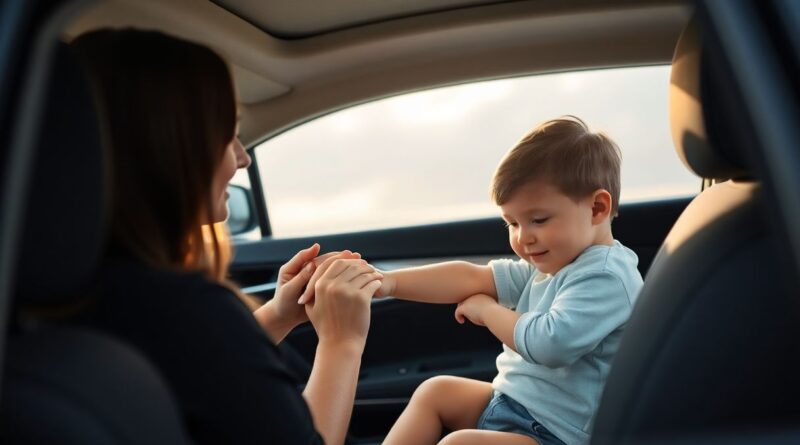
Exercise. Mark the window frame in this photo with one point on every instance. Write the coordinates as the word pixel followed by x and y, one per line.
pixel 260 195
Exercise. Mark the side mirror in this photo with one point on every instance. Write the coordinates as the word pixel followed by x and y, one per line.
pixel 241 211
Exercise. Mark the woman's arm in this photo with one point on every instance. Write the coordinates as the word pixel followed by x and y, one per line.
pixel 331 388
pixel 340 313
pixel 276 327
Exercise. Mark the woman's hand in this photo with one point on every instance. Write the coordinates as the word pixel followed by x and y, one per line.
pixel 343 290
pixel 282 313
pixel 308 293
pixel 473 309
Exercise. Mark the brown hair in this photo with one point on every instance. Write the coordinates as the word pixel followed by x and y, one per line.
pixel 169 110
pixel 566 154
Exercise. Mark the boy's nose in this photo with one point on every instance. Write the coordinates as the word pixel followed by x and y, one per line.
pixel 525 237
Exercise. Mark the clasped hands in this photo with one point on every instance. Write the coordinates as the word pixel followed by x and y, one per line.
pixel 333 291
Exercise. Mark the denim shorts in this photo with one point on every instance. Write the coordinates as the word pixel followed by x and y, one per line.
pixel 506 414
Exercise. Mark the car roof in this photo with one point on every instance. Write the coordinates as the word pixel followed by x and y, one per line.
pixel 293 61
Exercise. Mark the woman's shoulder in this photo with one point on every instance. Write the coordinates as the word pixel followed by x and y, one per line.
pixel 202 318
pixel 130 291
pixel 132 272
pixel 127 277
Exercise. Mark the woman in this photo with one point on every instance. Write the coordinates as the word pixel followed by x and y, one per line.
pixel 170 118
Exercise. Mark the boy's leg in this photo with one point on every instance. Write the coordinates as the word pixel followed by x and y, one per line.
pixel 444 401
pixel 480 437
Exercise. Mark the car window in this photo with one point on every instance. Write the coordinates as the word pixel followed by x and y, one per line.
pixel 428 157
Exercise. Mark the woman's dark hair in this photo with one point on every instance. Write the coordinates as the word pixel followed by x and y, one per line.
pixel 169 110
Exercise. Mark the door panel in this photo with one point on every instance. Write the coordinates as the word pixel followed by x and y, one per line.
pixel 640 226
pixel 410 342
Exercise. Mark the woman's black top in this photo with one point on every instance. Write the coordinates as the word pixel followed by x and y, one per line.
pixel 228 377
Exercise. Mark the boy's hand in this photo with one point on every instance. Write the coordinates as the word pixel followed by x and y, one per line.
pixel 472 309
pixel 387 285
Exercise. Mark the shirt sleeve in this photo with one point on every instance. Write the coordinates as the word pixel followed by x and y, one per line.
pixel 510 279
pixel 586 309
pixel 230 378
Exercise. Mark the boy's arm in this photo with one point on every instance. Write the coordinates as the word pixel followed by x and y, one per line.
pixel 483 310
pixel 501 321
pixel 449 282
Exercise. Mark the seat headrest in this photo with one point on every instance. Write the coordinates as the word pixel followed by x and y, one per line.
pixel 696 98
pixel 64 222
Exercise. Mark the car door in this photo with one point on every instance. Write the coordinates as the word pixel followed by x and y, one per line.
pixel 404 181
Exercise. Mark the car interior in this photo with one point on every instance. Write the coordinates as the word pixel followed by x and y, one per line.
pixel 710 352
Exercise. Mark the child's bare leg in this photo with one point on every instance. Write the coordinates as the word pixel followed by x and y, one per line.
pixel 480 437
pixel 444 401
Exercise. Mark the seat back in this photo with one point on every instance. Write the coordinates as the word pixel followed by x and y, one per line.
pixel 713 341
pixel 65 384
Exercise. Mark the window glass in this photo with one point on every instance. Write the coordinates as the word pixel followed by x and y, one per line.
pixel 429 156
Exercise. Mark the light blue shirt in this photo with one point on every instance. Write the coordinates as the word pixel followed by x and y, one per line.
pixel 569 330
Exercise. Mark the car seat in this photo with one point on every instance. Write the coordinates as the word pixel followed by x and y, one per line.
pixel 64 384
pixel 713 341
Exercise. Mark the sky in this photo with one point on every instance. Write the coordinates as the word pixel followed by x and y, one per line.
pixel 429 156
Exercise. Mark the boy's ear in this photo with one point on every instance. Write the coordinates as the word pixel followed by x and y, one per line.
pixel 601 206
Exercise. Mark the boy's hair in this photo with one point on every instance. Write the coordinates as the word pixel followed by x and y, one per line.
pixel 564 153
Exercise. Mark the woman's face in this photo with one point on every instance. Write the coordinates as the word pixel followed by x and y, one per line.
pixel 235 157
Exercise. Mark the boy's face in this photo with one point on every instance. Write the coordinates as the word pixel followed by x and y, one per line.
pixel 547 228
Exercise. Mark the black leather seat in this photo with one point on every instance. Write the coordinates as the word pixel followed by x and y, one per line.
pixel 65 384
pixel 713 343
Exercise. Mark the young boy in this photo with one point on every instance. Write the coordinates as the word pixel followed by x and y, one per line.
pixel 559 310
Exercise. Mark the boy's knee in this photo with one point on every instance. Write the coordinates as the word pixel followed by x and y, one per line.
pixel 461 437
pixel 434 388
